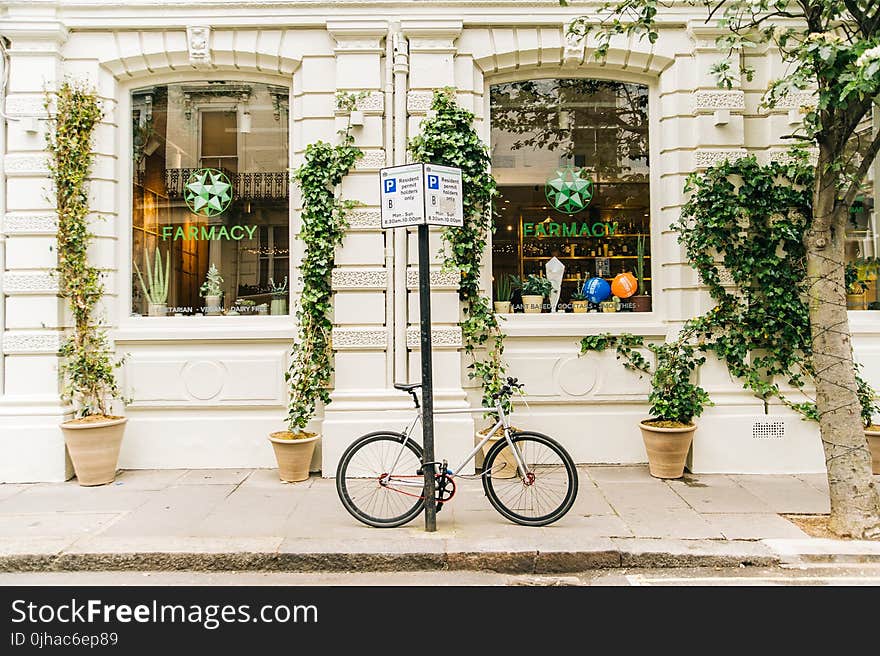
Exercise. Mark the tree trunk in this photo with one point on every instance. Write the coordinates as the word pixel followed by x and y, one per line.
pixel 855 504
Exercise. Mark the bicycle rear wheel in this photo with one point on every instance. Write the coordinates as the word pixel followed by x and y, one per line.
pixel 378 481
pixel 541 497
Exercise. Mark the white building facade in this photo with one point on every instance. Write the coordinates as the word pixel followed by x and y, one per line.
pixel 241 88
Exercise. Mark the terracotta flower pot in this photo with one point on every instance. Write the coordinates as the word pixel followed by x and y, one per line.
pixel 532 303
pixel 294 454
pixel 502 307
pixel 873 437
pixel 667 449
pixel 93 445
pixel 579 307
pixel 505 458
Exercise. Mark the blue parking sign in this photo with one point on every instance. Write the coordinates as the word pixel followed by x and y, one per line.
pixel 390 185
pixel 433 182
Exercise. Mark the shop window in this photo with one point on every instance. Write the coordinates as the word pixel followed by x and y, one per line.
pixel 210 200
pixel 862 238
pixel 571 160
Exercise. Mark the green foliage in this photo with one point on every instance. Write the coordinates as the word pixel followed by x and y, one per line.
pixel 751 220
pixel 157 289
pixel 504 287
pixel 673 396
pixel 87 368
pixel 535 285
pixel 213 285
pixel 324 220
pixel 449 139
pixel 640 262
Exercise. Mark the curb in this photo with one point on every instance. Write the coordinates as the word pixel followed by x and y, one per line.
pixel 623 553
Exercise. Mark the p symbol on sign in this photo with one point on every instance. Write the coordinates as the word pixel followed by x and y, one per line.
pixel 390 185
pixel 433 182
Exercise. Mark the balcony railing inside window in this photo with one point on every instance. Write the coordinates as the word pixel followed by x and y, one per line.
pixel 247 185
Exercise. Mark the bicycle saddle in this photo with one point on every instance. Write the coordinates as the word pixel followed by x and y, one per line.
pixel 407 388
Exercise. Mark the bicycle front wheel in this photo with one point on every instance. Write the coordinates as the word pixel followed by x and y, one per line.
pixel 547 490
pixel 378 480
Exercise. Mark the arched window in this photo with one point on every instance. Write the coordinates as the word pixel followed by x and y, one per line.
pixel 571 160
pixel 210 225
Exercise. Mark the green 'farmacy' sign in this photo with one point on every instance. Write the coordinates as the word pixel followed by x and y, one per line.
pixel 573 229
pixel 208 233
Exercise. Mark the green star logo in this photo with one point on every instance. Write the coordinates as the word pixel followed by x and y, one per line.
pixel 207 192
pixel 569 190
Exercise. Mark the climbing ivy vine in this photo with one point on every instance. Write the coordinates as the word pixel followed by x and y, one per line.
pixel 87 365
pixel 324 220
pixel 743 231
pixel 751 220
pixel 449 139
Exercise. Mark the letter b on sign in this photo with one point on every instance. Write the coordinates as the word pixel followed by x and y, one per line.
pixel 390 185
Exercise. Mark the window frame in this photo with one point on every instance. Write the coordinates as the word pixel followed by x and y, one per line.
pixel 562 324
pixel 132 328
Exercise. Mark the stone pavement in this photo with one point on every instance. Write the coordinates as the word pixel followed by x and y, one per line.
pixel 248 520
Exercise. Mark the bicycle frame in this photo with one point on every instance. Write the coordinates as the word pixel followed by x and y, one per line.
pixel 502 422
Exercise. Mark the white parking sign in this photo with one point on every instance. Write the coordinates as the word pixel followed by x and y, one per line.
pixel 443 196
pixel 402 196
pixel 416 194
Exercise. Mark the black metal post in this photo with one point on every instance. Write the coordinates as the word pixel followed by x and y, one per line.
pixel 427 378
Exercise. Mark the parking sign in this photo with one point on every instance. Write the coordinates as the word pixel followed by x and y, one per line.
pixel 416 194
pixel 402 196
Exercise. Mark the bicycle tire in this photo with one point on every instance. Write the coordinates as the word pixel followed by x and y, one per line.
pixel 546 463
pixel 357 468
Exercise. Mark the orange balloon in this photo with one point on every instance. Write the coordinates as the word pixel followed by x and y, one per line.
pixel 624 285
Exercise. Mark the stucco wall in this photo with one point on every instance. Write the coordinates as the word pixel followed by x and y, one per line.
pixel 206 391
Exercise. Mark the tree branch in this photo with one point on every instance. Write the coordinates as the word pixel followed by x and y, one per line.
pixel 870 156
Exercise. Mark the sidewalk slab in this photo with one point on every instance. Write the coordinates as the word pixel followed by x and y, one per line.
pixel 717 494
pixel 753 526
pixel 682 523
pixel 54 524
pixel 785 494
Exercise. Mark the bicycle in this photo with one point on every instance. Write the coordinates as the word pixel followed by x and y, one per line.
pixel 528 477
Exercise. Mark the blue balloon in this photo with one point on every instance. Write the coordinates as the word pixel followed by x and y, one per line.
pixel 597 290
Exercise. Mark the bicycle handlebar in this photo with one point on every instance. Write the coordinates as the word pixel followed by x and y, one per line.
pixel 508 388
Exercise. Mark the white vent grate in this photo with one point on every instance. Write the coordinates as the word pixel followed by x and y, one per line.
pixel 768 430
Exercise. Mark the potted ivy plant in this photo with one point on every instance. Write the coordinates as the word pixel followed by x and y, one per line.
pixel 156 288
pixel 534 290
pixel 324 219
pixel 211 291
pixel 675 400
pixel 642 300
pixel 94 436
